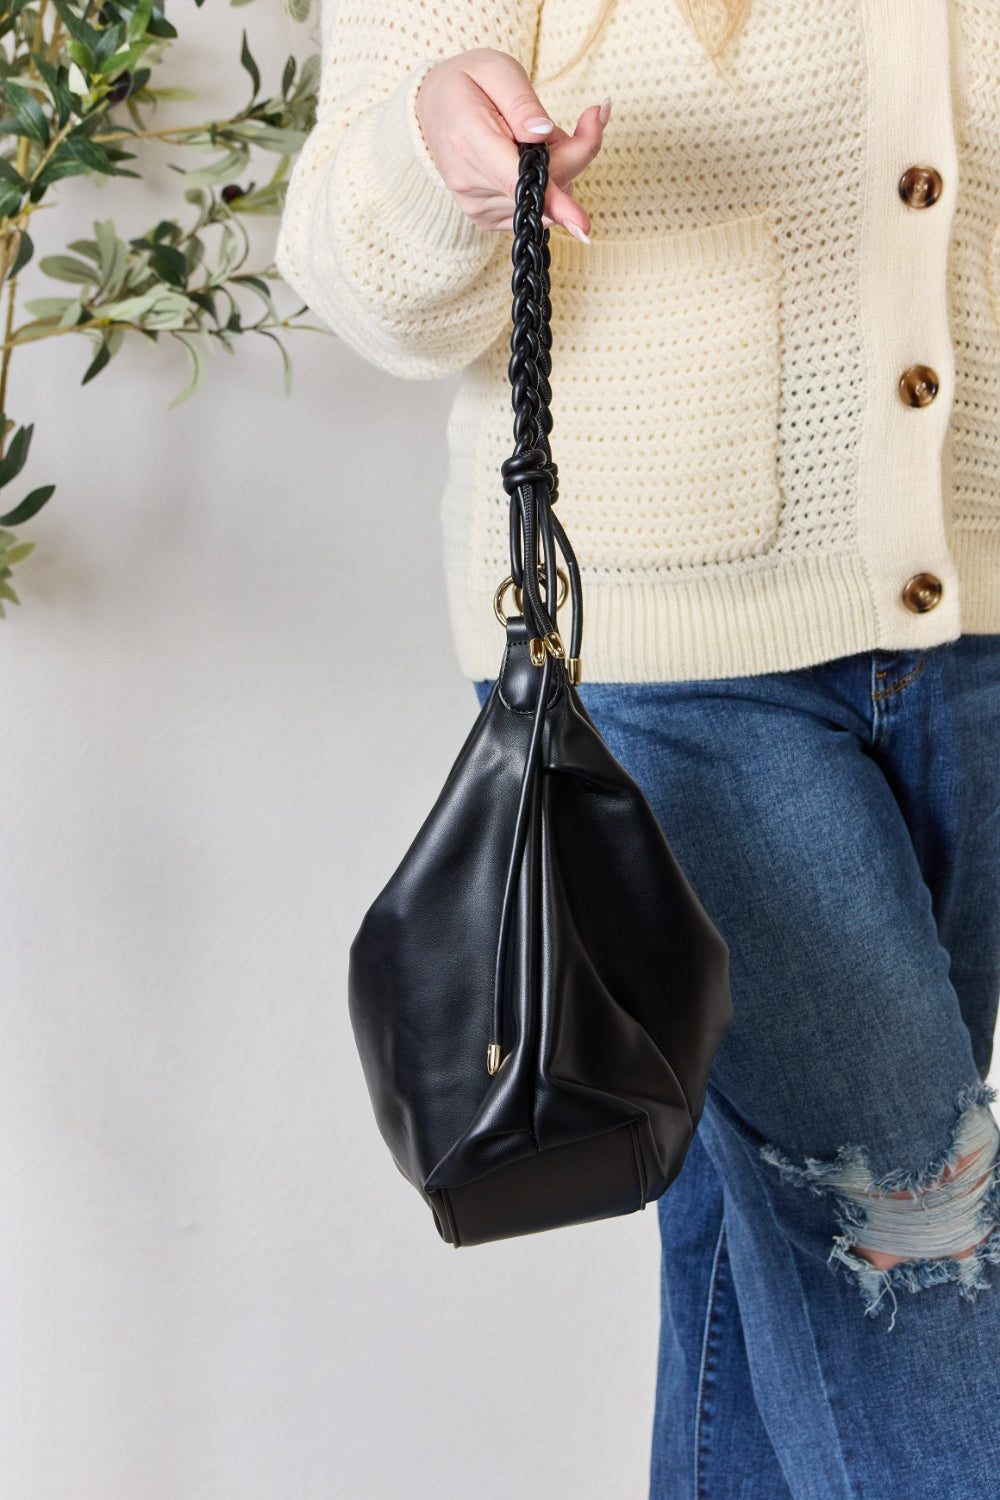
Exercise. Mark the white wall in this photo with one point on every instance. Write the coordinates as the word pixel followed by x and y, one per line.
pixel 215 1284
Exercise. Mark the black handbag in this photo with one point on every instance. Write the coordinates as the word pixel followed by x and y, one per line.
pixel 537 994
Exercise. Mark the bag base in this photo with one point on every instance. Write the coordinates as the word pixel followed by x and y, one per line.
pixel 576 1183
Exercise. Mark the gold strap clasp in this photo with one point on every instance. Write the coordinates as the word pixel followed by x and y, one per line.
pixel 562 593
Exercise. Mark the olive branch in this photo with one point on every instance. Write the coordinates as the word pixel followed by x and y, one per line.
pixel 70 70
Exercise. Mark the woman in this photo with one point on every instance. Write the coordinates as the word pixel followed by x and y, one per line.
pixel 776 409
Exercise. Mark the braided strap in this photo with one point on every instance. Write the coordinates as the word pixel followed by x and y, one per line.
pixel 531 334
pixel 529 476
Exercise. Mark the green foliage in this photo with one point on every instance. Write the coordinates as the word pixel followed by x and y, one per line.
pixel 71 71
pixel 11 551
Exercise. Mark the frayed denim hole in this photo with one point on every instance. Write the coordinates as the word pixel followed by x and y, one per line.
pixel 848 1180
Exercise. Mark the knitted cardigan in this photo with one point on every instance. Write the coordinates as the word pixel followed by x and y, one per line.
pixel 754 463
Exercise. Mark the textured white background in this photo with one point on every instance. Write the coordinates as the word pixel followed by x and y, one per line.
pixel 229 698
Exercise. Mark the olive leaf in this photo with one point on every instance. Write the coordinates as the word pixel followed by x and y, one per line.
pixel 198 371
pixel 10 466
pixel 28 117
pixel 246 58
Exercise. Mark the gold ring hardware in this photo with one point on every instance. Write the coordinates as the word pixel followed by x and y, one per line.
pixel 493 1058
pixel 562 593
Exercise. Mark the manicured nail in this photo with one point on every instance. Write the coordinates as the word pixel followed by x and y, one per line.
pixel 605 114
pixel 539 127
pixel 575 229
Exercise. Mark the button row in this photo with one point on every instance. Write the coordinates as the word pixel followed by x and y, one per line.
pixel 920 187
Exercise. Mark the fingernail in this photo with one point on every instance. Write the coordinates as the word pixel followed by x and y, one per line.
pixel 539 127
pixel 575 229
pixel 605 114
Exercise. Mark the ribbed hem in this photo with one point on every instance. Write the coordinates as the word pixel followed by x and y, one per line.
pixel 698 251
pixel 374 242
pixel 774 618
pixel 977 557
pixel 418 204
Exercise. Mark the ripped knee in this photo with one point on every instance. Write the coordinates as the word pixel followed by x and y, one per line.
pixel 938 1220
pixel 915 1229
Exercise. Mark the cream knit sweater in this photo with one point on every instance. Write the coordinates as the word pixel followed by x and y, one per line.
pixel 745 485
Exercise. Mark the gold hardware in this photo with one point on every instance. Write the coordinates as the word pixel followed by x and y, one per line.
pixel 562 593
pixel 573 670
pixel 498 598
pixel 552 643
pixel 493 1058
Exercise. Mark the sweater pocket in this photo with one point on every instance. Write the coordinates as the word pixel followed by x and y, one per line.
pixel 666 393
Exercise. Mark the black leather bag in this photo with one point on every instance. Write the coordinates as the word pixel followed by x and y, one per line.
pixel 537 994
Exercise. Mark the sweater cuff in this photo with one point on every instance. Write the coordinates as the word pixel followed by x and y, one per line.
pixel 418 199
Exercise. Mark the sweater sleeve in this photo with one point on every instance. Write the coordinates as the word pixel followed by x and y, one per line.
pixel 370 236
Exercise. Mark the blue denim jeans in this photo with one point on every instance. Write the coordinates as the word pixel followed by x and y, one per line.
pixel 825 1333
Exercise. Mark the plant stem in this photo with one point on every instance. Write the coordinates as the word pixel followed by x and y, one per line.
pixel 138 135
pixel 9 244
pixel 9 256
pixel 54 40
pixel 38 36
pixel 7 351
pixel 105 323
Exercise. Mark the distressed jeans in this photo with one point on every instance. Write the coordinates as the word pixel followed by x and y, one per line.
pixel 824 1333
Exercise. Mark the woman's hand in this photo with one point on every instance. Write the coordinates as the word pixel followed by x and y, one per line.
pixel 473 109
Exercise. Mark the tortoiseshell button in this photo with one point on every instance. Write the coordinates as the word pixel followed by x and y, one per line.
pixel 922 592
pixel 920 187
pixel 918 385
